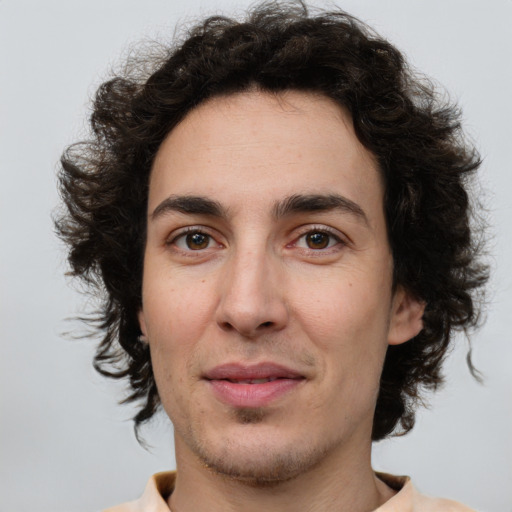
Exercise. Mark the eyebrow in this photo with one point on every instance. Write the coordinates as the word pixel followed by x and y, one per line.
pixel 191 205
pixel 297 203
pixel 300 203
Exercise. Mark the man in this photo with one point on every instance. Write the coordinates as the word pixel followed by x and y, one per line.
pixel 278 218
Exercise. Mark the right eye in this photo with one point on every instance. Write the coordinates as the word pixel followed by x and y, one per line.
pixel 193 241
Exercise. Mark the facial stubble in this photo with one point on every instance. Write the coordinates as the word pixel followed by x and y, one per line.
pixel 270 469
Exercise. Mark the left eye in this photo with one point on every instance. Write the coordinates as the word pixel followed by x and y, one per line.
pixel 317 240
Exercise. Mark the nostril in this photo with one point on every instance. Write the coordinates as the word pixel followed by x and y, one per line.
pixel 266 324
pixel 226 326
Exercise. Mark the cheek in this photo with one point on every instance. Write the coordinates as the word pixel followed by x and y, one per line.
pixel 176 309
pixel 342 311
pixel 348 324
pixel 175 317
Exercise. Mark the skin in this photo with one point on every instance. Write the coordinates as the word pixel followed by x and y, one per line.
pixel 308 290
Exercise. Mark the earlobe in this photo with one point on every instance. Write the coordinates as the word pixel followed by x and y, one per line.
pixel 142 324
pixel 406 318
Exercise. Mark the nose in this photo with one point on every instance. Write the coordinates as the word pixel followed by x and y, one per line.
pixel 252 296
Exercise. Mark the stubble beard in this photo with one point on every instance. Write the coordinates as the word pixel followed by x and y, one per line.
pixel 268 468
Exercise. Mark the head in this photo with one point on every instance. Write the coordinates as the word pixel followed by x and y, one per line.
pixel 283 60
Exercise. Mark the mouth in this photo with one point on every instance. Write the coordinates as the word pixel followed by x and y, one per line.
pixel 252 381
pixel 251 373
pixel 248 386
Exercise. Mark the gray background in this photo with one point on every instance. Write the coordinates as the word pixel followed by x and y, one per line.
pixel 65 445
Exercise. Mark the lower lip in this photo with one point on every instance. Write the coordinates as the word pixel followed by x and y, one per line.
pixel 252 395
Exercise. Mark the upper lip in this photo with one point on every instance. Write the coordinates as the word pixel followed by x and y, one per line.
pixel 240 371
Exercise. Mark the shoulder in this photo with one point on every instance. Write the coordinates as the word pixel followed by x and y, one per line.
pixel 409 499
pixel 426 504
pixel 154 497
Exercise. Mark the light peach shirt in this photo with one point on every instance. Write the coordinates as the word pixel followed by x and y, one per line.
pixel 407 499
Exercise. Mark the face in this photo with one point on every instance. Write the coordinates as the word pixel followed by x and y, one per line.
pixel 267 288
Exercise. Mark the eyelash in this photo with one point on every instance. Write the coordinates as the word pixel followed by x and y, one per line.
pixel 313 230
pixel 191 230
pixel 334 240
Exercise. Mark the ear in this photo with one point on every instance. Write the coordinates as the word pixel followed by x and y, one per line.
pixel 142 325
pixel 406 317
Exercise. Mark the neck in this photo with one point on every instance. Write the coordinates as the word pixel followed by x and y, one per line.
pixel 345 486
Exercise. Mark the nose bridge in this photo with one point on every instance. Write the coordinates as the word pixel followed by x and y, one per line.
pixel 251 300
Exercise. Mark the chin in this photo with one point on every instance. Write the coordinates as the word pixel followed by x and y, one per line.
pixel 260 463
pixel 273 470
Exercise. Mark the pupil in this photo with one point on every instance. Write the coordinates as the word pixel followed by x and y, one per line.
pixel 317 240
pixel 197 241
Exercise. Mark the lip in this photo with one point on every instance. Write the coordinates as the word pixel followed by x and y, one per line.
pixel 229 384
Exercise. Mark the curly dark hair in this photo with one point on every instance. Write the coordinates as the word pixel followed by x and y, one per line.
pixel 399 116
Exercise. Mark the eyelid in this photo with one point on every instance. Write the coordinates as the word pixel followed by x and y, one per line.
pixel 182 232
pixel 341 239
pixel 321 228
pixel 300 232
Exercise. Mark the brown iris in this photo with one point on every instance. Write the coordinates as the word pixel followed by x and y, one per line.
pixel 317 240
pixel 197 241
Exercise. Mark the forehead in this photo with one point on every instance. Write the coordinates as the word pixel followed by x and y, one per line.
pixel 254 148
